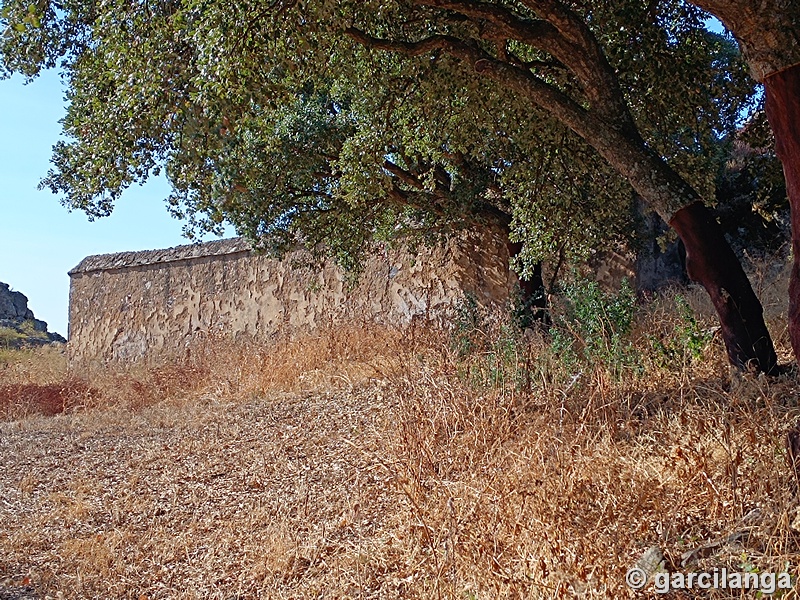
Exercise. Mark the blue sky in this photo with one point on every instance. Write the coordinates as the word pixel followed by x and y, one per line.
pixel 39 239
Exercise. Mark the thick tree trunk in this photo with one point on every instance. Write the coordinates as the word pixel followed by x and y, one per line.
pixel 769 36
pixel 783 112
pixel 711 262
pixel 533 309
pixel 709 258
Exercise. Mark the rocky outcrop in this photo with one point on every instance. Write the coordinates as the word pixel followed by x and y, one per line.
pixel 18 325
pixel 13 305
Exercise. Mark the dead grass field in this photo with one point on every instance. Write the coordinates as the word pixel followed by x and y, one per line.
pixel 370 463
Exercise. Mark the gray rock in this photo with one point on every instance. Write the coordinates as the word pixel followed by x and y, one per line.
pixel 13 305
pixel 25 328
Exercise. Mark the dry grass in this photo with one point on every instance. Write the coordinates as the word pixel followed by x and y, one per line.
pixel 370 463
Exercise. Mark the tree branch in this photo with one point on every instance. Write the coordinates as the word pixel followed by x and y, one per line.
pixel 403 175
pixel 545 95
pixel 564 35
pixel 622 148
pixel 589 62
pixel 435 42
pixel 538 33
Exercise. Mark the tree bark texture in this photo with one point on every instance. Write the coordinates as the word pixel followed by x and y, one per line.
pixel 533 296
pixel 783 112
pixel 710 259
pixel 768 31
pixel 711 262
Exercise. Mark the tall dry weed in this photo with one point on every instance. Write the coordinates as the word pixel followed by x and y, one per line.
pixel 484 464
pixel 555 491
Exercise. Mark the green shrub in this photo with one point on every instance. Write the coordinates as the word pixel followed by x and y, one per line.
pixel 28 329
pixel 10 337
pixel 687 341
pixel 593 326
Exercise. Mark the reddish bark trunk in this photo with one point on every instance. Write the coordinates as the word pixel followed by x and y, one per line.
pixel 711 262
pixel 602 126
pixel 783 112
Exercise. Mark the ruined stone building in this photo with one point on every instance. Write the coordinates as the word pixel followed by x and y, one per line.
pixel 148 306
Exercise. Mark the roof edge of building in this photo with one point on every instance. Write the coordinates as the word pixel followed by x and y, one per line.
pixel 122 260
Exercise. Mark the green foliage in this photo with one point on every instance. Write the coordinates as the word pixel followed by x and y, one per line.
pixel 10 336
pixel 566 203
pixel 28 329
pixel 466 334
pixel 752 204
pixel 593 326
pixel 688 340
pixel 13 337
pixel 590 329
pixel 693 339
pixel 275 121
pixel 490 349
pixel 676 51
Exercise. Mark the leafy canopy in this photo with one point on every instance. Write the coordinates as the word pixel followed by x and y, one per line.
pixel 271 117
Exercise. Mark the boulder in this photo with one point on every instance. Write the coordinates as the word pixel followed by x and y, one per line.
pixel 13 305
pixel 18 325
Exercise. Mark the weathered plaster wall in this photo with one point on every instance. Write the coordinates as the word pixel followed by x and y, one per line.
pixel 147 306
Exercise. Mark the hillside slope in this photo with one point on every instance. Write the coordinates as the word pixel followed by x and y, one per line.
pixel 379 464
pixel 18 325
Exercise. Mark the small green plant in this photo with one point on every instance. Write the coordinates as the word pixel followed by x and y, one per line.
pixel 490 350
pixel 502 363
pixel 466 332
pixel 693 338
pixel 28 329
pixel 594 325
pixel 562 346
pixel 687 340
pixel 10 336
pixel 529 312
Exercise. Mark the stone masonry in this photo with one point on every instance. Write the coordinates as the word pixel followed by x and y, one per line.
pixel 150 306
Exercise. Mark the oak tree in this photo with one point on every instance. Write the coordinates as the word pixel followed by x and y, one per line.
pixel 769 34
pixel 474 98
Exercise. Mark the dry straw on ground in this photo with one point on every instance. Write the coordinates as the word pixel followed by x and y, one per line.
pixel 371 463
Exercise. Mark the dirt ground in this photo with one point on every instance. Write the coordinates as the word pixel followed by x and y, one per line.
pixel 382 465
pixel 201 500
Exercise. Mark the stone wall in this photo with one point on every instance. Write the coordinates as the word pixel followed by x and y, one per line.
pixel 149 306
